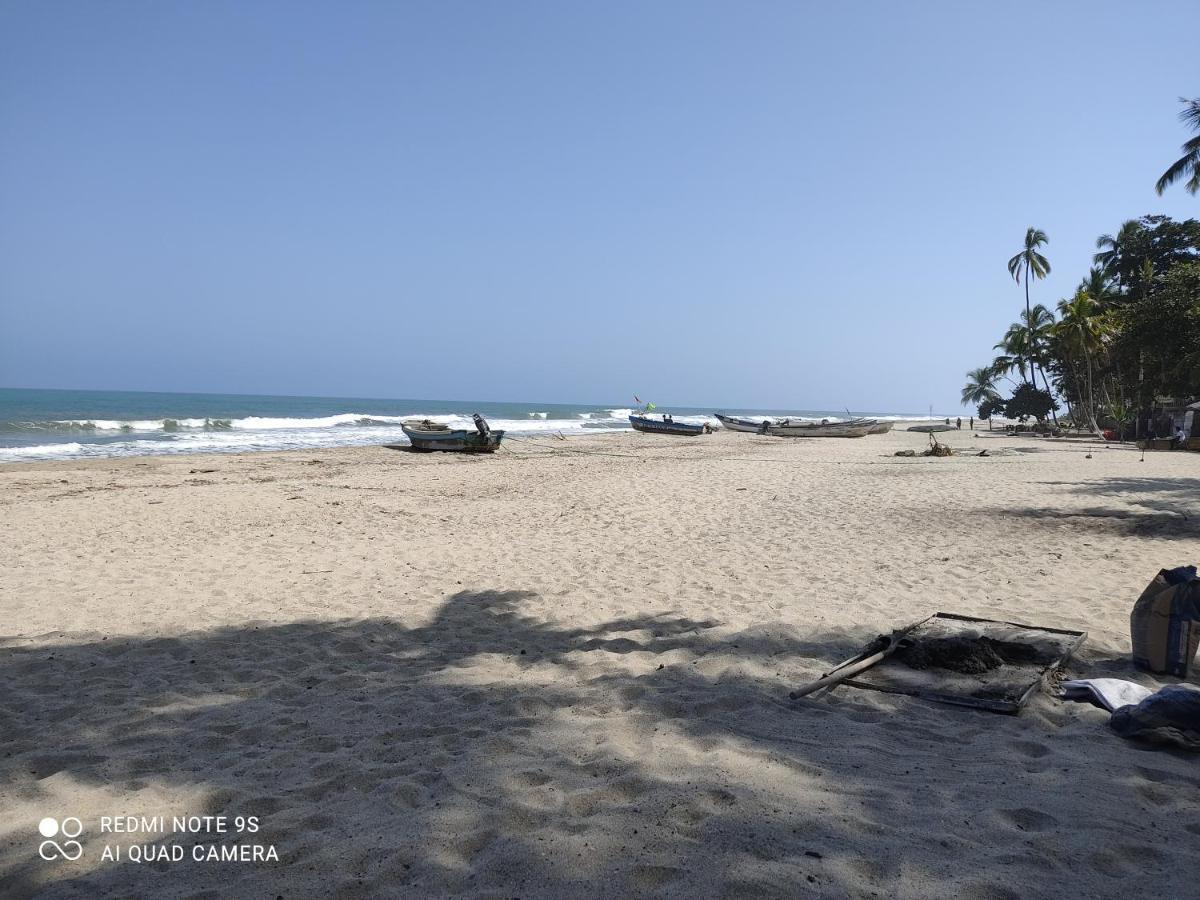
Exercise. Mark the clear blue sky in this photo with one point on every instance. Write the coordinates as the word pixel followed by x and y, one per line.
pixel 803 205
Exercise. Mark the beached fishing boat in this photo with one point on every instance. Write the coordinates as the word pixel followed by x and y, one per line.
pixel 667 425
pixel 849 428
pixel 931 429
pixel 427 435
pixel 738 423
pixel 766 423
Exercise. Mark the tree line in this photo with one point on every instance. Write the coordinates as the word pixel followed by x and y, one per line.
pixel 1129 333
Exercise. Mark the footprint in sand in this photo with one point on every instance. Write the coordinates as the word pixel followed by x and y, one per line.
pixel 1027 819
pixel 989 892
pixel 531 779
pixel 1031 749
pixel 654 877
pixel 720 798
pixel 1159 776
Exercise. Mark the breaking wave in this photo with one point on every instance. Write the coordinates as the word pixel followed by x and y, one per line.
pixel 116 438
pixel 79 438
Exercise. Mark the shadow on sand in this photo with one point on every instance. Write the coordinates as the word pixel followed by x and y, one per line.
pixel 1165 508
pixel 489 753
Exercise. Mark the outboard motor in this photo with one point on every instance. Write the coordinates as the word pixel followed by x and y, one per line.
pixel 481 425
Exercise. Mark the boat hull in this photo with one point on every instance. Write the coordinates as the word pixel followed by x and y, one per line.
pixel 658 426
pixel 734 423
pixel 454 441
pixel 817 429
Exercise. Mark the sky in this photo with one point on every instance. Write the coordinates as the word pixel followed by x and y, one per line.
pixel 792 205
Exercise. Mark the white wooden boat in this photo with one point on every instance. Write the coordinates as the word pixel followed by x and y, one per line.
pixel 740 423
pixel 426 436
pixel 848 428
pixel 768 424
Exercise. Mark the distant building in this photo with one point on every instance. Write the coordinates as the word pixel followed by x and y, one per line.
pixel 1191 420
pixel 1169 413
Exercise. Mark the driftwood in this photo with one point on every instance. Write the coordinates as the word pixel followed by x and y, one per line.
pixel 936 448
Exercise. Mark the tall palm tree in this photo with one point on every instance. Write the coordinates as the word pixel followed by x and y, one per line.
pixel 1099 287
pixel 1082 330
pixel 1034 264
pixel 1039 323
pixel 1190 161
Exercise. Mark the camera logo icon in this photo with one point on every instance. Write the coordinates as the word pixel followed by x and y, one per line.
pixel 69 828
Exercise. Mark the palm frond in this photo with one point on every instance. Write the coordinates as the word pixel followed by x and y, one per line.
pixel 1039 265
pixel 1190 161
pixel 1034 238
pixel 1191 112
pixel 1178 169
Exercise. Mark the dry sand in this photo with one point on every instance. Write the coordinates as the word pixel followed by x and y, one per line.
pixel 563 670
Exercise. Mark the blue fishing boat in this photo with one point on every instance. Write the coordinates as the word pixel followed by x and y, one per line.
pixel 665 424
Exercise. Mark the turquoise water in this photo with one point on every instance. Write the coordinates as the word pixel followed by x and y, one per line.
pixel 45 424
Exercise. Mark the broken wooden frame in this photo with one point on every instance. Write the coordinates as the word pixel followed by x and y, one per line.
pixel 946 686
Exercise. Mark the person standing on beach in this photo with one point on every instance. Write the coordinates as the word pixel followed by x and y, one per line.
pixel 972 423
pixel 958 423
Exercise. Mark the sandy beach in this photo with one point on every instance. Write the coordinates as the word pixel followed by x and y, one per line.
pixel 563 671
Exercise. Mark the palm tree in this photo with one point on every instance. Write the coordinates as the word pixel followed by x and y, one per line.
pixel 1098 287
pixel 1039 323
pixel 1190 161
pixel 981 388
pixel 1015 345
pixel 1112 249
pixel 981 385
pixel 1082 330
pixel 1029 259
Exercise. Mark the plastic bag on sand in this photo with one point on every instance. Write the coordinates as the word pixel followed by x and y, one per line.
pixel 1172 715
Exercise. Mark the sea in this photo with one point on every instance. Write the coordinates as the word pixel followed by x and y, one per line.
pixel 58 424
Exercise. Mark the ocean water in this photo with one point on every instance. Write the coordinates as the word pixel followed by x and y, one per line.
pixel 46 424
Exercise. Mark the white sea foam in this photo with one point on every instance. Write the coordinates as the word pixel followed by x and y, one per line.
pixel 41 451
pixel 127 425
pixel 252 423
pixel 265 423
pixel 116 438
pixel 282 434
